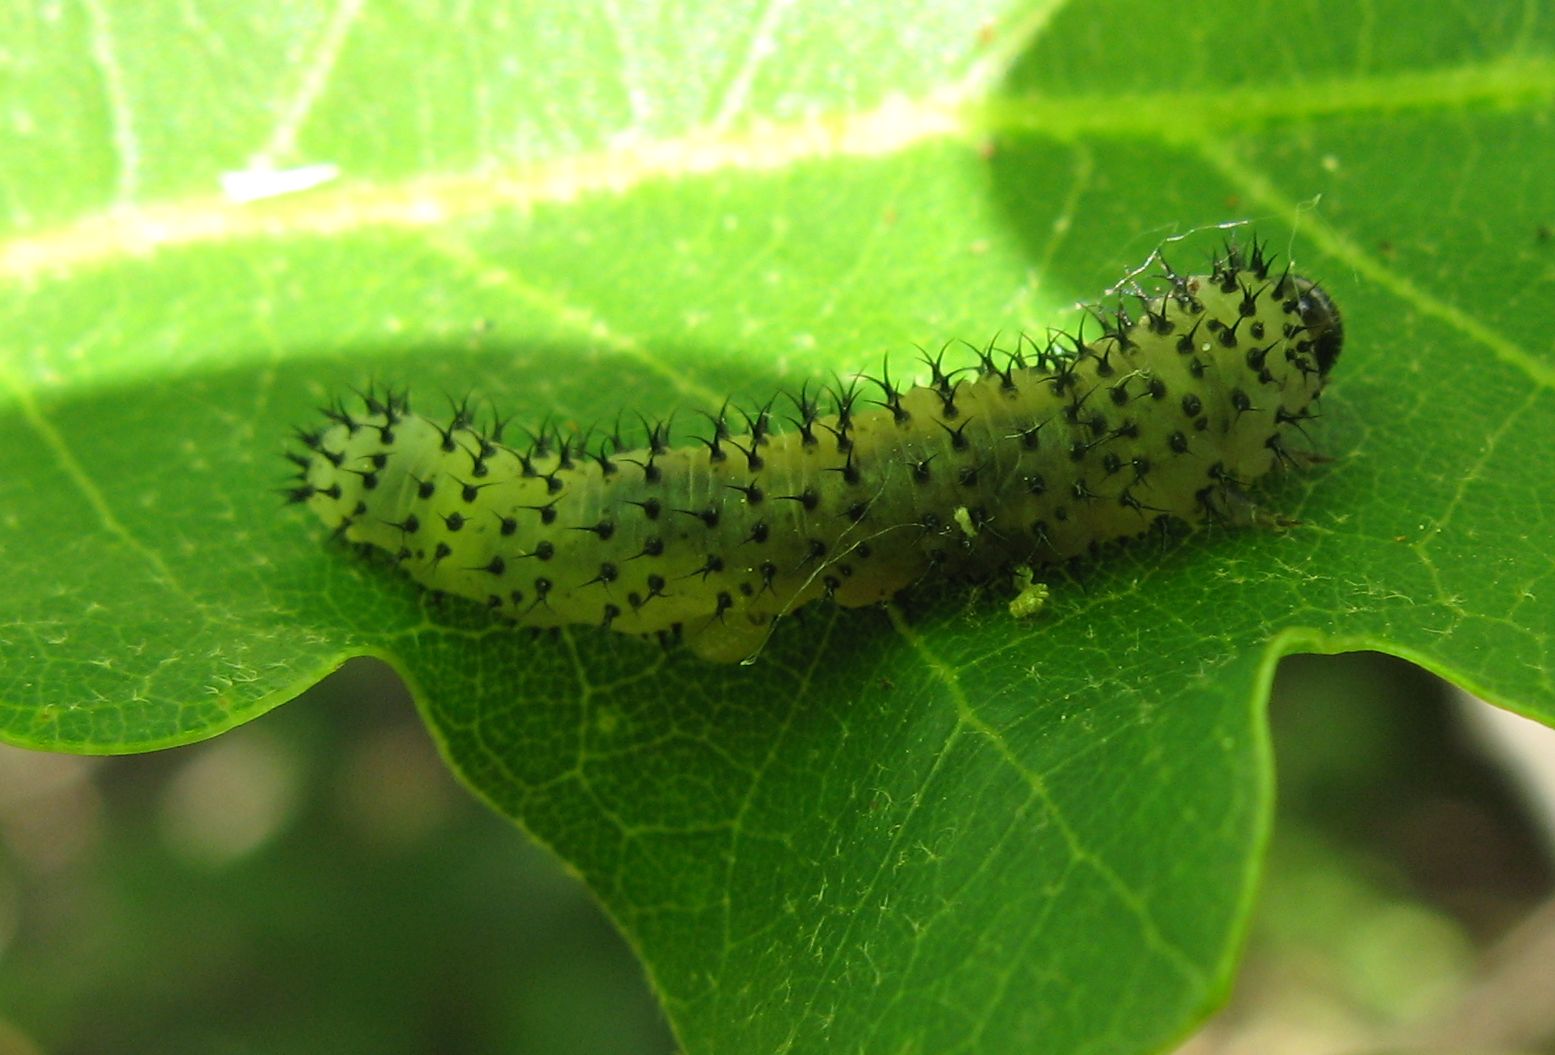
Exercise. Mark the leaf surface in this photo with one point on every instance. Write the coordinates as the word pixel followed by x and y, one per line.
pixel 924 829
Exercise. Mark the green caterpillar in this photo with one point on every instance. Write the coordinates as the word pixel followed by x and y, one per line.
pixel 1036 457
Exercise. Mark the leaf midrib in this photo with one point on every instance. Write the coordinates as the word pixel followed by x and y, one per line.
pixel 958 112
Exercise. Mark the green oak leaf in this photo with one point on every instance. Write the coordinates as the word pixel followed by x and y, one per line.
pixel 923 828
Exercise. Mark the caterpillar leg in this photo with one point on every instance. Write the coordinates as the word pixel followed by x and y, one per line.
pixel 1239 509
pixel 732 639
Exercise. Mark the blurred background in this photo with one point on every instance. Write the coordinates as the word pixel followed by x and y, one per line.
pixel 317 881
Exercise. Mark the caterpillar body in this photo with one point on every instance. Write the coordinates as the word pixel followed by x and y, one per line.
pixel 1032 456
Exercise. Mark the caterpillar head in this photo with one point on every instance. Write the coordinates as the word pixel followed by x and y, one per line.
pixel 1321 318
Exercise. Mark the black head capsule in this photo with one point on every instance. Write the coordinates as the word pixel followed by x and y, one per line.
pixel 1321 318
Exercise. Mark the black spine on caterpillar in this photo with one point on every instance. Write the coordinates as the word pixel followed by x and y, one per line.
pixel 1035 459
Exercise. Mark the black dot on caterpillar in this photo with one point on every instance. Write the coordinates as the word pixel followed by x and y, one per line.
pixel 1031 456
